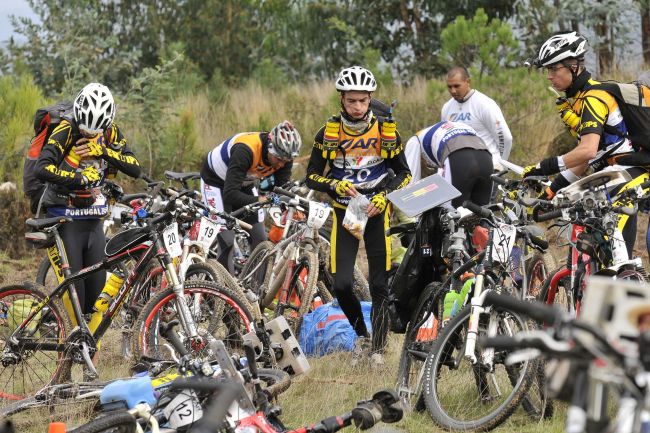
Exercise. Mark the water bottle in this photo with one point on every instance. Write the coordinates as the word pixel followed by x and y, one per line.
pixel 104 300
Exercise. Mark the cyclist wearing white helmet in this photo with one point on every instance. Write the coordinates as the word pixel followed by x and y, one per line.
pixel 83 151
pixel 357 149
pixel 231 168
pixel 592 115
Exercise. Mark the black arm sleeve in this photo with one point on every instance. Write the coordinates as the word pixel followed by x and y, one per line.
pixel 120 156
pixel 317 165
pixel 241 160
pixel 51 155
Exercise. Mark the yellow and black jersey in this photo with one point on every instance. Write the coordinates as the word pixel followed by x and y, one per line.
pixel 600 114
pixel 118 156
pixel 357 160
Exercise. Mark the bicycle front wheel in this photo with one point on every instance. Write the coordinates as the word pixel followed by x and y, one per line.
pixel 115 422
pixel 462 396
pixel 421 332
pixel 23 371
pixel 217 312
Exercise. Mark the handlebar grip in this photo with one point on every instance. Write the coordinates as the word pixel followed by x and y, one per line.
pixel 163 217
pixel 496 178
pixel 478 210
pixel 167 331
pixel 240 211
pixel 146 178
pixel 469 265
pixel 501 342
pixel 197 383
pixel 283 191
pixel 541 217
pixel 244 225
pixel 534 310
pixel 542 243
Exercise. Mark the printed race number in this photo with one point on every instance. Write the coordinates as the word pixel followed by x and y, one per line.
pixel 208 231
pixel 172 240
pixel 318 214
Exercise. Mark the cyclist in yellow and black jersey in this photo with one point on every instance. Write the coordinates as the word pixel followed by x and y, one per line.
pixel 93 149
pixel 358 150
pixel 593 117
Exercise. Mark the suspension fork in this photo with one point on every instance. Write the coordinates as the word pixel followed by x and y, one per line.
pixel 169 269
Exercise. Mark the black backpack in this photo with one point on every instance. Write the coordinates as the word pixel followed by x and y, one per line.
pixel 634 102
pixel 45 120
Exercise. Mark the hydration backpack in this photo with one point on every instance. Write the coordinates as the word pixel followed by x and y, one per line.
pixel 634 102
pixel 45 120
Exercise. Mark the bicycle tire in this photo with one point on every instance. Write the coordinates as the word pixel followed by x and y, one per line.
pixel 563 295
pixel 227 280
pixel 54 322
pixel 537 403
pixel 225 301
pixel 409 384
pixel 449 339
pixel 259 281
pixel 203 271
pixel 45 275
pixel 116 422
pixel 60 395
pixel 324 294
pixel 305 291
pixel 538 268
pixel 276 381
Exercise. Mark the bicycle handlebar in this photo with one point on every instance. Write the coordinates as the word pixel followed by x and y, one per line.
pixel 478 210
pixel 534 310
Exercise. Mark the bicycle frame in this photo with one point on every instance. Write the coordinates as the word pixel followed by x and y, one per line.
pixel 148 251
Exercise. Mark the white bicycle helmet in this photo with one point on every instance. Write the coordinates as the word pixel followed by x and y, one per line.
pixel 284 140
pixel 356 78
pixel 560 47
pixel 94 108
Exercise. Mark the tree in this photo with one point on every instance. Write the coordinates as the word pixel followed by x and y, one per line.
pixel 79 40
pixel 487 45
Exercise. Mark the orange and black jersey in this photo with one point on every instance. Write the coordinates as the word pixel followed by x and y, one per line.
pixel 118 156
pixel 233 163
pixel 357 160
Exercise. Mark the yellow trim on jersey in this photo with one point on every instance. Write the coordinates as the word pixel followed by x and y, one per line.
pixel 622 218
pixel 333 244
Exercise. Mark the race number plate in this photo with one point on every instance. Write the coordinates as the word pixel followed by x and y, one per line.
pixel 172 240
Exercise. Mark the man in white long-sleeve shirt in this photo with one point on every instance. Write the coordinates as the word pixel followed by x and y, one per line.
pixel 477 110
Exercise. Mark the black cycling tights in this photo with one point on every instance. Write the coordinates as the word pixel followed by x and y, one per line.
pixel 470 171
pixel 343 256
pixel 84 243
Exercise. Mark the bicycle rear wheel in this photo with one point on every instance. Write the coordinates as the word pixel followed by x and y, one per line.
pixel 24 372
pixel 258 281
pixel 421 331
pixel 538 268
pixel 460 396
pixel 297 301
pixel 557 290
pixel 218 312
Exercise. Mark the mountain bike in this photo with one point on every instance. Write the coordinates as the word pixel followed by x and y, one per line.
pixel 39 344
pixel 595 220
pixel 464 386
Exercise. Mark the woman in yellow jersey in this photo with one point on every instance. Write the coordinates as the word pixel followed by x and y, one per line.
pixel 229 171
pixel 357 149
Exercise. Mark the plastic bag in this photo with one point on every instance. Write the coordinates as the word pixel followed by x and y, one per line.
pixel 356 216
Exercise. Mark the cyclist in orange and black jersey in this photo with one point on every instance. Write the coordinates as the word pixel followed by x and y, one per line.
pixel 594 118
pixel 359 149
pixel 231 167
pixel 93 149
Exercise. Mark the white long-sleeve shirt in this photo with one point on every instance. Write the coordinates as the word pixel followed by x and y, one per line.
pixel 485 117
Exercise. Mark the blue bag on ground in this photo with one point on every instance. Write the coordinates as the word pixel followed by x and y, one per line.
pixel 326 330
pixel 129 391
